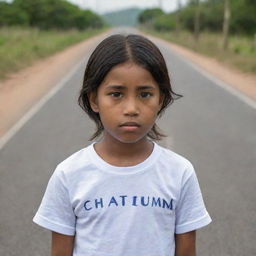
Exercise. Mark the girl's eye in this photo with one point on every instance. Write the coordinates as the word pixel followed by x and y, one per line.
pixel 145 94
pixel 116 94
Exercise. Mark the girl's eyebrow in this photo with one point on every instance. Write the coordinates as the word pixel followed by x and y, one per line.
pixel 145 87
pixel 118 87
pixel 122 87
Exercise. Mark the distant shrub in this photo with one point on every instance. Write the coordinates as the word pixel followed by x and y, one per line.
pixel 165 22
pixel 149 15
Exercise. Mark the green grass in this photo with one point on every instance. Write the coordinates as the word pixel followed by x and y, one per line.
pixel 241 52
pixel 20 47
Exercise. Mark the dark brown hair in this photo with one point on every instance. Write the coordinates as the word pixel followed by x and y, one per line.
pixel 117 49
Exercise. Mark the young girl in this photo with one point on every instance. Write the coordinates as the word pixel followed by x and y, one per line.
pixel 124 195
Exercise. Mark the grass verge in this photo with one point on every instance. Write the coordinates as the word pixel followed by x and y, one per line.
pixel 20 47
pixel 241 52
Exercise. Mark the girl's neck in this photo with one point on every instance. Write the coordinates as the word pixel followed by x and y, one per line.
pixel 123 154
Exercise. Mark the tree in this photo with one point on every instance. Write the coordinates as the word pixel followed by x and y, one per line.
pixel 190 16
pixel 147 16
pixel 226 24
pixel 178 25
pixel 46 14
pixel 10 15
pixel 243 16
pixel 165 22
pixel 197 21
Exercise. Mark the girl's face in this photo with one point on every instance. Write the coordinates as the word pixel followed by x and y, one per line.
pixel 127 100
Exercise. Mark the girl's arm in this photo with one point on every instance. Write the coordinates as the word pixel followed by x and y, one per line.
pixel 185 244
pixel 62 245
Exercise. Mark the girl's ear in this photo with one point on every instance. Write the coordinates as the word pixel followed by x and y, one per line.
pixel 94 101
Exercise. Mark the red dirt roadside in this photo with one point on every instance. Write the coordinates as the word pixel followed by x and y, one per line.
pixel 23 89
pixel 243 82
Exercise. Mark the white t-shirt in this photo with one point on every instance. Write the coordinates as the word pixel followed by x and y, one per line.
pixel 123 211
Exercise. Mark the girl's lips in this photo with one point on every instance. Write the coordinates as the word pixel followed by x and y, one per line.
pixel 129 126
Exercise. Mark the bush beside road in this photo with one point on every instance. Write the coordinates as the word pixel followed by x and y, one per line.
pixel 20 47
pixel 241 53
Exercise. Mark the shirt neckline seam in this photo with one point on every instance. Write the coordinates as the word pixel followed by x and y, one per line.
pixel 106 167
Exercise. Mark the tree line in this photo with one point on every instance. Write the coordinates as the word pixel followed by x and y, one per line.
pixel 47 14
pixel 207 15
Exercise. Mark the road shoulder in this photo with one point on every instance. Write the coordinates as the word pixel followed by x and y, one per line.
pixel 26 87
pixel 243 82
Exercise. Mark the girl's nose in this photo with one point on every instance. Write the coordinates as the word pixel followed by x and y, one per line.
pixel 131 107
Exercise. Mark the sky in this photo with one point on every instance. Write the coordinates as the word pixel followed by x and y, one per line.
pixel 103 6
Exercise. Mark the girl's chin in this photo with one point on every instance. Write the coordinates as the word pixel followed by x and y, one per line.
pixel 126 137
pixel 131 139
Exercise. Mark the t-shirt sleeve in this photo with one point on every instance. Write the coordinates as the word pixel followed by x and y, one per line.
pixel 191 213
pixel 55 212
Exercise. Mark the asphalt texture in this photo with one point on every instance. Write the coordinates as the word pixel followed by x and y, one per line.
pixel 211 127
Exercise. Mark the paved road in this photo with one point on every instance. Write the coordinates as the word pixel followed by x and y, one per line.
pixel 209 126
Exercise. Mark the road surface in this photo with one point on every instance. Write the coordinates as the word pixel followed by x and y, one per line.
pixel 211 127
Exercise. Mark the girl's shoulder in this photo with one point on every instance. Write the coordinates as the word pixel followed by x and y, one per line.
pixel 170 155
pixel 76 161
pixel 175 161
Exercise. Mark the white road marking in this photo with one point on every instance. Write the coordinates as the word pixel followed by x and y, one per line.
pixel 217 81
pixel 34 109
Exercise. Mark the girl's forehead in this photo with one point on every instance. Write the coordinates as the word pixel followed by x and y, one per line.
pixel 126 66
pixel 129 71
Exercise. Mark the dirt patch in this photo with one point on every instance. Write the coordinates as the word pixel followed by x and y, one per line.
pixel 24 88
pixel 19 93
